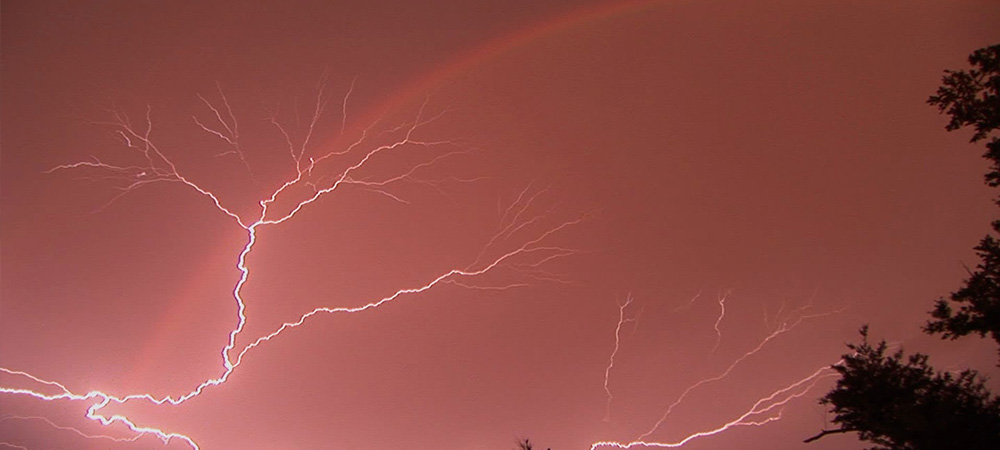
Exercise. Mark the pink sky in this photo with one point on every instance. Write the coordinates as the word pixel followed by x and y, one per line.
pixel 778 155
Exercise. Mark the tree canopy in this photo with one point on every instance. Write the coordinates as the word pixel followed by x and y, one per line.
pixel 901 403
pixel 972 99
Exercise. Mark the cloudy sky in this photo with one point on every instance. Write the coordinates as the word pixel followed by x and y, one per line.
pixel 572 221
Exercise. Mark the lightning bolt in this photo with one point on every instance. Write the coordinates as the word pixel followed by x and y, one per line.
pixel 71 429
pixel 765 410
pixel 770 404
pixel 689 304
pixel 230 131
pixel 527 257
pixel 722 313
pixel 8 444
pixel 611 359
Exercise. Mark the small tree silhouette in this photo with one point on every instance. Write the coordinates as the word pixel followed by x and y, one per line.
pixel 900 403
pixel 525 444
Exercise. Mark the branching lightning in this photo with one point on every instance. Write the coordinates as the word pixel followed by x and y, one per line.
pixel 765 410
pixel 520 243
pixel 527 258
pixel 611 359
pixel 71 429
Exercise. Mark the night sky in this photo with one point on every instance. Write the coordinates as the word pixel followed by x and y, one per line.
pixel 484 221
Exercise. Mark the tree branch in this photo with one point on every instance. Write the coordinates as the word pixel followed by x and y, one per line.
pixel 826 432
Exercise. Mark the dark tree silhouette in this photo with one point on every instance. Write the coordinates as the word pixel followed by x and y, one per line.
pixel 525 444
pixel 972 99
pixel 900 403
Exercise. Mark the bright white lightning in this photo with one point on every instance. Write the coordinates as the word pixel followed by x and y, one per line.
pixel 770 404
pixel 611 359
pixel 159 168
pixel 765 410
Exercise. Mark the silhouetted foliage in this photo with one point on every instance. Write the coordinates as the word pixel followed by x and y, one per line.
pixel 972 98
pixel 900 403
pixel 525 444
pixel 979 299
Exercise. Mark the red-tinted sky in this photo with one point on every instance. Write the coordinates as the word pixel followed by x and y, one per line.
pixel 778 155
